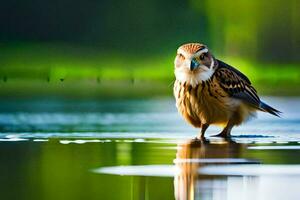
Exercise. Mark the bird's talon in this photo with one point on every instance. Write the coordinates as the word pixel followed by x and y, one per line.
pixel 222 135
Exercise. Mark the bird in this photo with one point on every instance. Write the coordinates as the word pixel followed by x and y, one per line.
pixel 209 91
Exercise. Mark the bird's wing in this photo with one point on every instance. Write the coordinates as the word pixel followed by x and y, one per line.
pixel 236 84
pixel 225 65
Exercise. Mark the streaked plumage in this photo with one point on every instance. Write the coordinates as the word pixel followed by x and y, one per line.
pixel 209 91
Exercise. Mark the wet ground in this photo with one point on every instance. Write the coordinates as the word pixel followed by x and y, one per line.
pixel 142 149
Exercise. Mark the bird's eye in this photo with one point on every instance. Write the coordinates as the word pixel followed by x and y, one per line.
pixel 202 56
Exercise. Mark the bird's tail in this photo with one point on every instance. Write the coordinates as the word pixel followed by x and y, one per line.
pixel 266 108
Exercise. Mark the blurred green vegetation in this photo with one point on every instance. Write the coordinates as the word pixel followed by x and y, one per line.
pixel 110 48
pixel 55 69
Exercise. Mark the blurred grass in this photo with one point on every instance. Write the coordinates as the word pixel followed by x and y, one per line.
pixel 60 69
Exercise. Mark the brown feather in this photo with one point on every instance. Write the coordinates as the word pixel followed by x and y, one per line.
pixel 209 103
pixel 192 47
pixel 236 86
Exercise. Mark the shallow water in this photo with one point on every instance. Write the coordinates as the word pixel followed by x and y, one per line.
pixel 142 149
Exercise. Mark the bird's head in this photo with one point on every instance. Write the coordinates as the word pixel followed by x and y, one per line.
pixel 194 63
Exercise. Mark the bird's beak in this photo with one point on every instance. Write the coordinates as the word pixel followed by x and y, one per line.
pixel 194 64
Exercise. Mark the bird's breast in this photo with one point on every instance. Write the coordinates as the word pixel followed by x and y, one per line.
pixel 205 102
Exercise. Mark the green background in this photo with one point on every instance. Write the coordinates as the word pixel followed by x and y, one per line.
pixel 126 48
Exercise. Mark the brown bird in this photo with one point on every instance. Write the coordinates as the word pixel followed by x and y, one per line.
pixel 211 92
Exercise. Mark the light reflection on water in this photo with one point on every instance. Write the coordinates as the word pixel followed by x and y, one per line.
pixel 79 149
pixel 209 170
pixel 221 180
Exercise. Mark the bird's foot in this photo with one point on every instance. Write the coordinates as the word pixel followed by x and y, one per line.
pixel 198 138
pixel 222 135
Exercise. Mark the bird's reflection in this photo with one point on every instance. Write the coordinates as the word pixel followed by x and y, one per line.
pixel 194 154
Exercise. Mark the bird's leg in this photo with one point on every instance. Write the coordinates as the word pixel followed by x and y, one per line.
pixel 226 131
pixel 203 129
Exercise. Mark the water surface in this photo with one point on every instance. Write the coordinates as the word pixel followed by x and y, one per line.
pixel 142 149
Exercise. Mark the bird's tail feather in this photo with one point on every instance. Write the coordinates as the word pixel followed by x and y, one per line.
pixel 265 107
